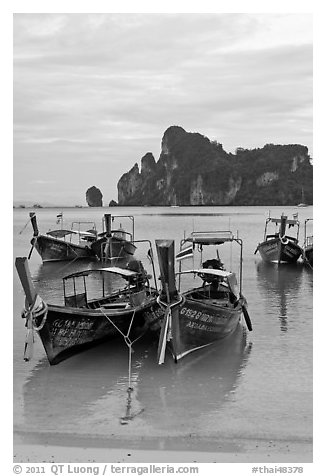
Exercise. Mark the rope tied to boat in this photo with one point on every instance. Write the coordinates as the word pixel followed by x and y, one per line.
pixel 165 305
pixel 127 340
pixel 31 313
pixel 284 240
pixel 124 420
pixel 166 331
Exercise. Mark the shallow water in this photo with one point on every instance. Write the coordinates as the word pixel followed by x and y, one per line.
pixel 255 385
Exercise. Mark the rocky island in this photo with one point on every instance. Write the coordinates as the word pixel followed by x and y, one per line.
pixel 94 197
pixel 192 170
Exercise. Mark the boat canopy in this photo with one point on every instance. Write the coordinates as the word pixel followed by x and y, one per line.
pixel 84 233
pixel 210 237
pixel 62 233
pixel 59 233
pixel 125 273
pixel 213 272
pixel 279 220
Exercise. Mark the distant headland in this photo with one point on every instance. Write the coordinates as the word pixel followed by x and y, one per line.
pixel 195 171
pixel 192 170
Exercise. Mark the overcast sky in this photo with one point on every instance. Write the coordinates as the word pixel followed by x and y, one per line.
pixel 94 92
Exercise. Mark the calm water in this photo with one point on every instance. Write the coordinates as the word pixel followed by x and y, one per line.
pixel 254 385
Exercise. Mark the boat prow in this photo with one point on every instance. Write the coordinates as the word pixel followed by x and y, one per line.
pixel 280 247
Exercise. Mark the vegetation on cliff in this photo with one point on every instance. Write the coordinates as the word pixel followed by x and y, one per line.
pixel 192 170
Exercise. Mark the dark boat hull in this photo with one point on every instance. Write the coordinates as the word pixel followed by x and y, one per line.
pixel 308 255
pixel 68 331
pixel 53 249
pixel 113 248
pixel 198 325
pixel 195 325
pixel 279 252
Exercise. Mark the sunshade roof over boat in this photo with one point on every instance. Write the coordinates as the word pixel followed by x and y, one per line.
pixel 125 273
pixel 86 233
pixel 62 233
pixel 59 233
pixel 210 237
pixel 278 221
pixel 210 271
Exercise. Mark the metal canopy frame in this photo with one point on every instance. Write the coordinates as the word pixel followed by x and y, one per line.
pixel 213 238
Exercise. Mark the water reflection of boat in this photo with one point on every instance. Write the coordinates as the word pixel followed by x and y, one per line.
pixel 279 285
pixel 87 396
pixel 177 395
pixel 69 398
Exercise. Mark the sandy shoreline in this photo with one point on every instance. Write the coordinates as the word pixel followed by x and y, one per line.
pixel 87 450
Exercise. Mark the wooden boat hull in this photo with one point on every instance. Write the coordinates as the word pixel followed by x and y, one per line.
pixel 195 325
pixel 113 248
pixel 199 325
pixel 119 248
pixel 279 252
pixel 68 331
pixel 53 249
pixel 308 255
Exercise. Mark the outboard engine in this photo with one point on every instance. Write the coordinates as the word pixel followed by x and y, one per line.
pixel 142 276
pixel 212 264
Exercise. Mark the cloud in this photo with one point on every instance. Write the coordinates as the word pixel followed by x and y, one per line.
pixel 104 87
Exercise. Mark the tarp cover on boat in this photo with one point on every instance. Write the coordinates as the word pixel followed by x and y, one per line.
pixel 212 272
pixel 126 273
pixel 210 237
pixel 84 233
pixel 60 233
pixel 279 220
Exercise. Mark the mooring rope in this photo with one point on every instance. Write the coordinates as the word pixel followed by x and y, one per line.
pixel 309 265
pixel 21 231
pixel 69 263
pixel 124 420
pixel 169 305
pixel 37 308
pixel 127 340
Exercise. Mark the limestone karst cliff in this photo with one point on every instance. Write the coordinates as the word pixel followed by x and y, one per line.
pixel 192 170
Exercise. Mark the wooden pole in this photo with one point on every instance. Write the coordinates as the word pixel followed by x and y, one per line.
pixel 107 221
pixel 283 225
pixel 165 253
pixel 34 223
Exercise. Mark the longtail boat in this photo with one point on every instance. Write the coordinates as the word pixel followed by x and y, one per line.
pixel 204 314
pixel 280 247
pixel 117 243
pixel 82 322
pixel 64 244
pixel 307 245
